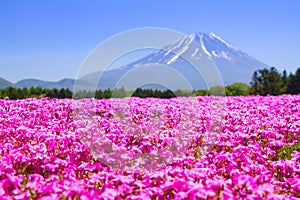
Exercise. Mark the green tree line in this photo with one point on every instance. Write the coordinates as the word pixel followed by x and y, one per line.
pixel 264 81
pixel 270 81
pixel 36 92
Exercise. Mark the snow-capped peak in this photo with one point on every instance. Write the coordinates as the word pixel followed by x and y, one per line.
pixel 203 46
pixel 233 64
pixel 209 36
pixel 214 36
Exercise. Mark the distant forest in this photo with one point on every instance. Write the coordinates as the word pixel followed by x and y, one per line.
pixel 270 81
pixel 264 82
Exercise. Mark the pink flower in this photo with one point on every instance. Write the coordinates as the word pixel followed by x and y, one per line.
pixel 10 185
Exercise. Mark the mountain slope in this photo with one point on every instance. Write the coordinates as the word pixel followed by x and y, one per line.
pixel 4 83
pixel 233 64
pixel 64 83
pixel 180 56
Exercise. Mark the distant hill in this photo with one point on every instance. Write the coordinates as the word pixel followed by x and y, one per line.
pixel 64 83
pixel 233 64
pixel 4 83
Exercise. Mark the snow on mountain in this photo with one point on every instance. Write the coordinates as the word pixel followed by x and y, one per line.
pixel 181 56
pixel 233 64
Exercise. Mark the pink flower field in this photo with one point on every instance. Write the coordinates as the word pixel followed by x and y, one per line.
pixel 150 148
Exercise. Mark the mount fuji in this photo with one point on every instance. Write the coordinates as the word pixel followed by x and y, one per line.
pixel 233 64
pixel 180 56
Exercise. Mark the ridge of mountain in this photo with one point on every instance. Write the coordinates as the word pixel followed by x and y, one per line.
pixel 233 64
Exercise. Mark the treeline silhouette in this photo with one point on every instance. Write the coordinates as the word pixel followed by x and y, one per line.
pixel 264 81
pixel 235 89
pixel 270 81
pixel 36 92
pixel 139 92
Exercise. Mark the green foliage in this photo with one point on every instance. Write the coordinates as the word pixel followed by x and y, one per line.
pixel 143 93
pixel 183 93
pixel 17 93
pixel 34 92
pixel 270 81
pixel 293 83
pixel 217 90
pixel 202 93
pixel 237 89
pixel 267 81
pixel 286 151
pixel 119 93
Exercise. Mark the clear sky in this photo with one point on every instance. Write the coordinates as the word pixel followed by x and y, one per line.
pixel 50 39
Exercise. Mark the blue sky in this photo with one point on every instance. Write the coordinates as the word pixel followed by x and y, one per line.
pixel 50 39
